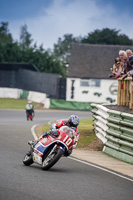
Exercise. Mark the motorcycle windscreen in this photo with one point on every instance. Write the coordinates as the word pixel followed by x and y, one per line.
pixel 68 131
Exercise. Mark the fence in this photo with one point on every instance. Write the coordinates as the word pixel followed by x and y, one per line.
pixel 115 130
pixel 125 92
pixel 51 84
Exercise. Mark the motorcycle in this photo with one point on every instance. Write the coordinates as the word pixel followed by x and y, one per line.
pixel 49 150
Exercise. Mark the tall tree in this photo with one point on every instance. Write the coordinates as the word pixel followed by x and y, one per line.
pixel 5 36
pixel 107 36
pixel 25 37
pixel 62 48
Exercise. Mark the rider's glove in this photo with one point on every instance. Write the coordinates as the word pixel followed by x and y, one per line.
pixel 46 133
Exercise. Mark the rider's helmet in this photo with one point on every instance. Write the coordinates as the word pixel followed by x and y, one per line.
pixel 73 121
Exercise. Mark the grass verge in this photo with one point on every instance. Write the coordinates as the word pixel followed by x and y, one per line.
pixel 6 103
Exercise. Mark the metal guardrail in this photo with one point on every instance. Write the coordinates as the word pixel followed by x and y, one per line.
pixel 114 129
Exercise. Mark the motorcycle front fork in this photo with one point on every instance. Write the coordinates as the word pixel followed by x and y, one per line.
pixel 32 144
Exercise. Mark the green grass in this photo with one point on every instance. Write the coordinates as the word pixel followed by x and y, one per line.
pixel 87 135
pixel 6 103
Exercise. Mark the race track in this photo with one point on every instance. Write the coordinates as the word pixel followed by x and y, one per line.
pixel 68 179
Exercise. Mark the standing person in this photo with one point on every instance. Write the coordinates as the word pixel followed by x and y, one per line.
pixel 29 110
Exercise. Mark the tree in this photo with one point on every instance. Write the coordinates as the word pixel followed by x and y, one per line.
pixel 8 48
pixel 107 36
pixel 25 37
pixel 62 48
pixel 5 36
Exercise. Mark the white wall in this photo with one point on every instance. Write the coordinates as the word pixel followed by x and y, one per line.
pixel 34 96
pixel 96 90
pixel 10 93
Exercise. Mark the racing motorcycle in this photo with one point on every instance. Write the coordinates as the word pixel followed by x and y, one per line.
pixel 48 150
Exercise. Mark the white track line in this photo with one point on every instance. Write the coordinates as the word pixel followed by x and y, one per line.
pixel 33 132
pixel 98 167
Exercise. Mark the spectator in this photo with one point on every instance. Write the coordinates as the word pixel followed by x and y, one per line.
pixel 128 65
pixel 129 53
pixel 117 67
pixel 123 55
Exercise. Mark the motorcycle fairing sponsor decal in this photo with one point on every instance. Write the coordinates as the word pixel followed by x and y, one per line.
pixel 56 141
pixel 37 158
pixel 37 152
pixel 39 147
pixel 66 141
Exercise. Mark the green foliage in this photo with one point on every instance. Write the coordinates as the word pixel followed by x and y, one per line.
pixel 25 52
pixel 62 48
pixel 5 36
pixel 25 37
pixel 107 36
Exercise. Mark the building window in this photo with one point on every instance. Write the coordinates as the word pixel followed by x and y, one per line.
pixel 90 83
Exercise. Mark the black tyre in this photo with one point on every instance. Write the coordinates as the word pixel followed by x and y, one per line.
pixel 51 158
pixel 28 160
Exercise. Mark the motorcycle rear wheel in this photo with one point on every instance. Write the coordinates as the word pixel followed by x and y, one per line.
pixel 51 159
pixel 28 160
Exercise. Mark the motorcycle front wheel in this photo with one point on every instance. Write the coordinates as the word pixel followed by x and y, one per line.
pixel 51 158
pixel 28 160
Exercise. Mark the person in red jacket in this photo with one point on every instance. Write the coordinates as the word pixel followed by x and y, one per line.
pixel 72 122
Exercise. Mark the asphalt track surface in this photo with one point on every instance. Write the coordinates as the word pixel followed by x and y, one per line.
pixel 68 179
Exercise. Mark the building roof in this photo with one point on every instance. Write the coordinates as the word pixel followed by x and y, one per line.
pixel 93 61
pixel 17 66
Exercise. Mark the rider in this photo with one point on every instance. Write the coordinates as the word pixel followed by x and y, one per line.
pixel 72 122
pixel 29 109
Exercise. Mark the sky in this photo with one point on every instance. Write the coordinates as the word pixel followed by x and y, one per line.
pixel 48 20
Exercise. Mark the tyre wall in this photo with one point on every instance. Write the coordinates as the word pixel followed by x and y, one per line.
pixel 115 130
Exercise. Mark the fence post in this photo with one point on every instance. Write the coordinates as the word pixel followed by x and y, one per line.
pixel 131 97
pixel 125 92
pixel 119 93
